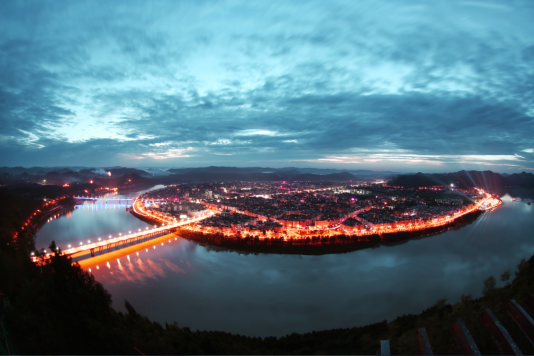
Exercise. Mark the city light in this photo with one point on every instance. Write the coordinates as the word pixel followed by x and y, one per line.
pixel 299 230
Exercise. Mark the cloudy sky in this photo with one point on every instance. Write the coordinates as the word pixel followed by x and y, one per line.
pixel 397 85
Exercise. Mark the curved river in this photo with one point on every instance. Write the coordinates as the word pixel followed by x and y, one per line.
pixel 209 288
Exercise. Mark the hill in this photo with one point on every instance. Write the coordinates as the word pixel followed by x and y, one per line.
pixel 333 177
pixel 465 179
pixel 121 171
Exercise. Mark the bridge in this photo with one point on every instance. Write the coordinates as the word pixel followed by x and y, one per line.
pixel 105 198
pixel 113 244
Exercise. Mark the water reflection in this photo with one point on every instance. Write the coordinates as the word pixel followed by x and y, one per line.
pixel 259 294
pixel 137 268
pixel 137 264
pixel 90 221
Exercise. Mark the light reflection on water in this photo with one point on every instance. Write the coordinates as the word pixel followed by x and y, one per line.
pixel 137 269
pixel 209 288
pixel 90 221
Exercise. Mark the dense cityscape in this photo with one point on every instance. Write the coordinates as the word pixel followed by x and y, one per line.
pixel 301 210
pixel 266 177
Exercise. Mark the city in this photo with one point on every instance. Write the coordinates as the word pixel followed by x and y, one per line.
pixel 271 177
pixel 304 211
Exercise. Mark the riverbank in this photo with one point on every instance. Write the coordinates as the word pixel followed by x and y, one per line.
pixel 319 245
pixel 43 325
pixel 64 206
pixel 144 218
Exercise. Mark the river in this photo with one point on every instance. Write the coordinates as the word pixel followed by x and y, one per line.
pixel 209 288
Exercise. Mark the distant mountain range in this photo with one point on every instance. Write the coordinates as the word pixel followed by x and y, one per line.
pixel 201 174
pixel 462 179
pixel 284 171
pixel 72 171
pixel 206 176
pixel 465 179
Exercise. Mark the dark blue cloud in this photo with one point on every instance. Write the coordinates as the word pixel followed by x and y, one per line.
pixel 365 84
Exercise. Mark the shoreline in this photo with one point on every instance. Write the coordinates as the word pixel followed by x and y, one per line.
pixel 340 244
pixel 61 209
pixel 143 218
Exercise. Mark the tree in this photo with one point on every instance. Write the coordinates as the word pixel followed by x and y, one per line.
pixel 52 246
pixel 521 266
pixel 489 285
pixel 466 299
pixel 506 276
pixel 441 303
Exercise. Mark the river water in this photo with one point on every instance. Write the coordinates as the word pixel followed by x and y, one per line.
pixel 208 288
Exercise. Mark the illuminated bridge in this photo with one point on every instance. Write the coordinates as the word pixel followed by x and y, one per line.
pixel 113 244
pixel 104 198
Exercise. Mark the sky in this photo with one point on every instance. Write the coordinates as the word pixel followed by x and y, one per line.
pixel 431 86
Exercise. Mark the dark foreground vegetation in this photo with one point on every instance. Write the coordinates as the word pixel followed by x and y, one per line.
pixel 60 309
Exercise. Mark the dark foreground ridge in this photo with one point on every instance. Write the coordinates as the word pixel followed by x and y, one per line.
pixel 61 309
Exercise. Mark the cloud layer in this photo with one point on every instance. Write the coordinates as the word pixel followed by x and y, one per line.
pixel 406 85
